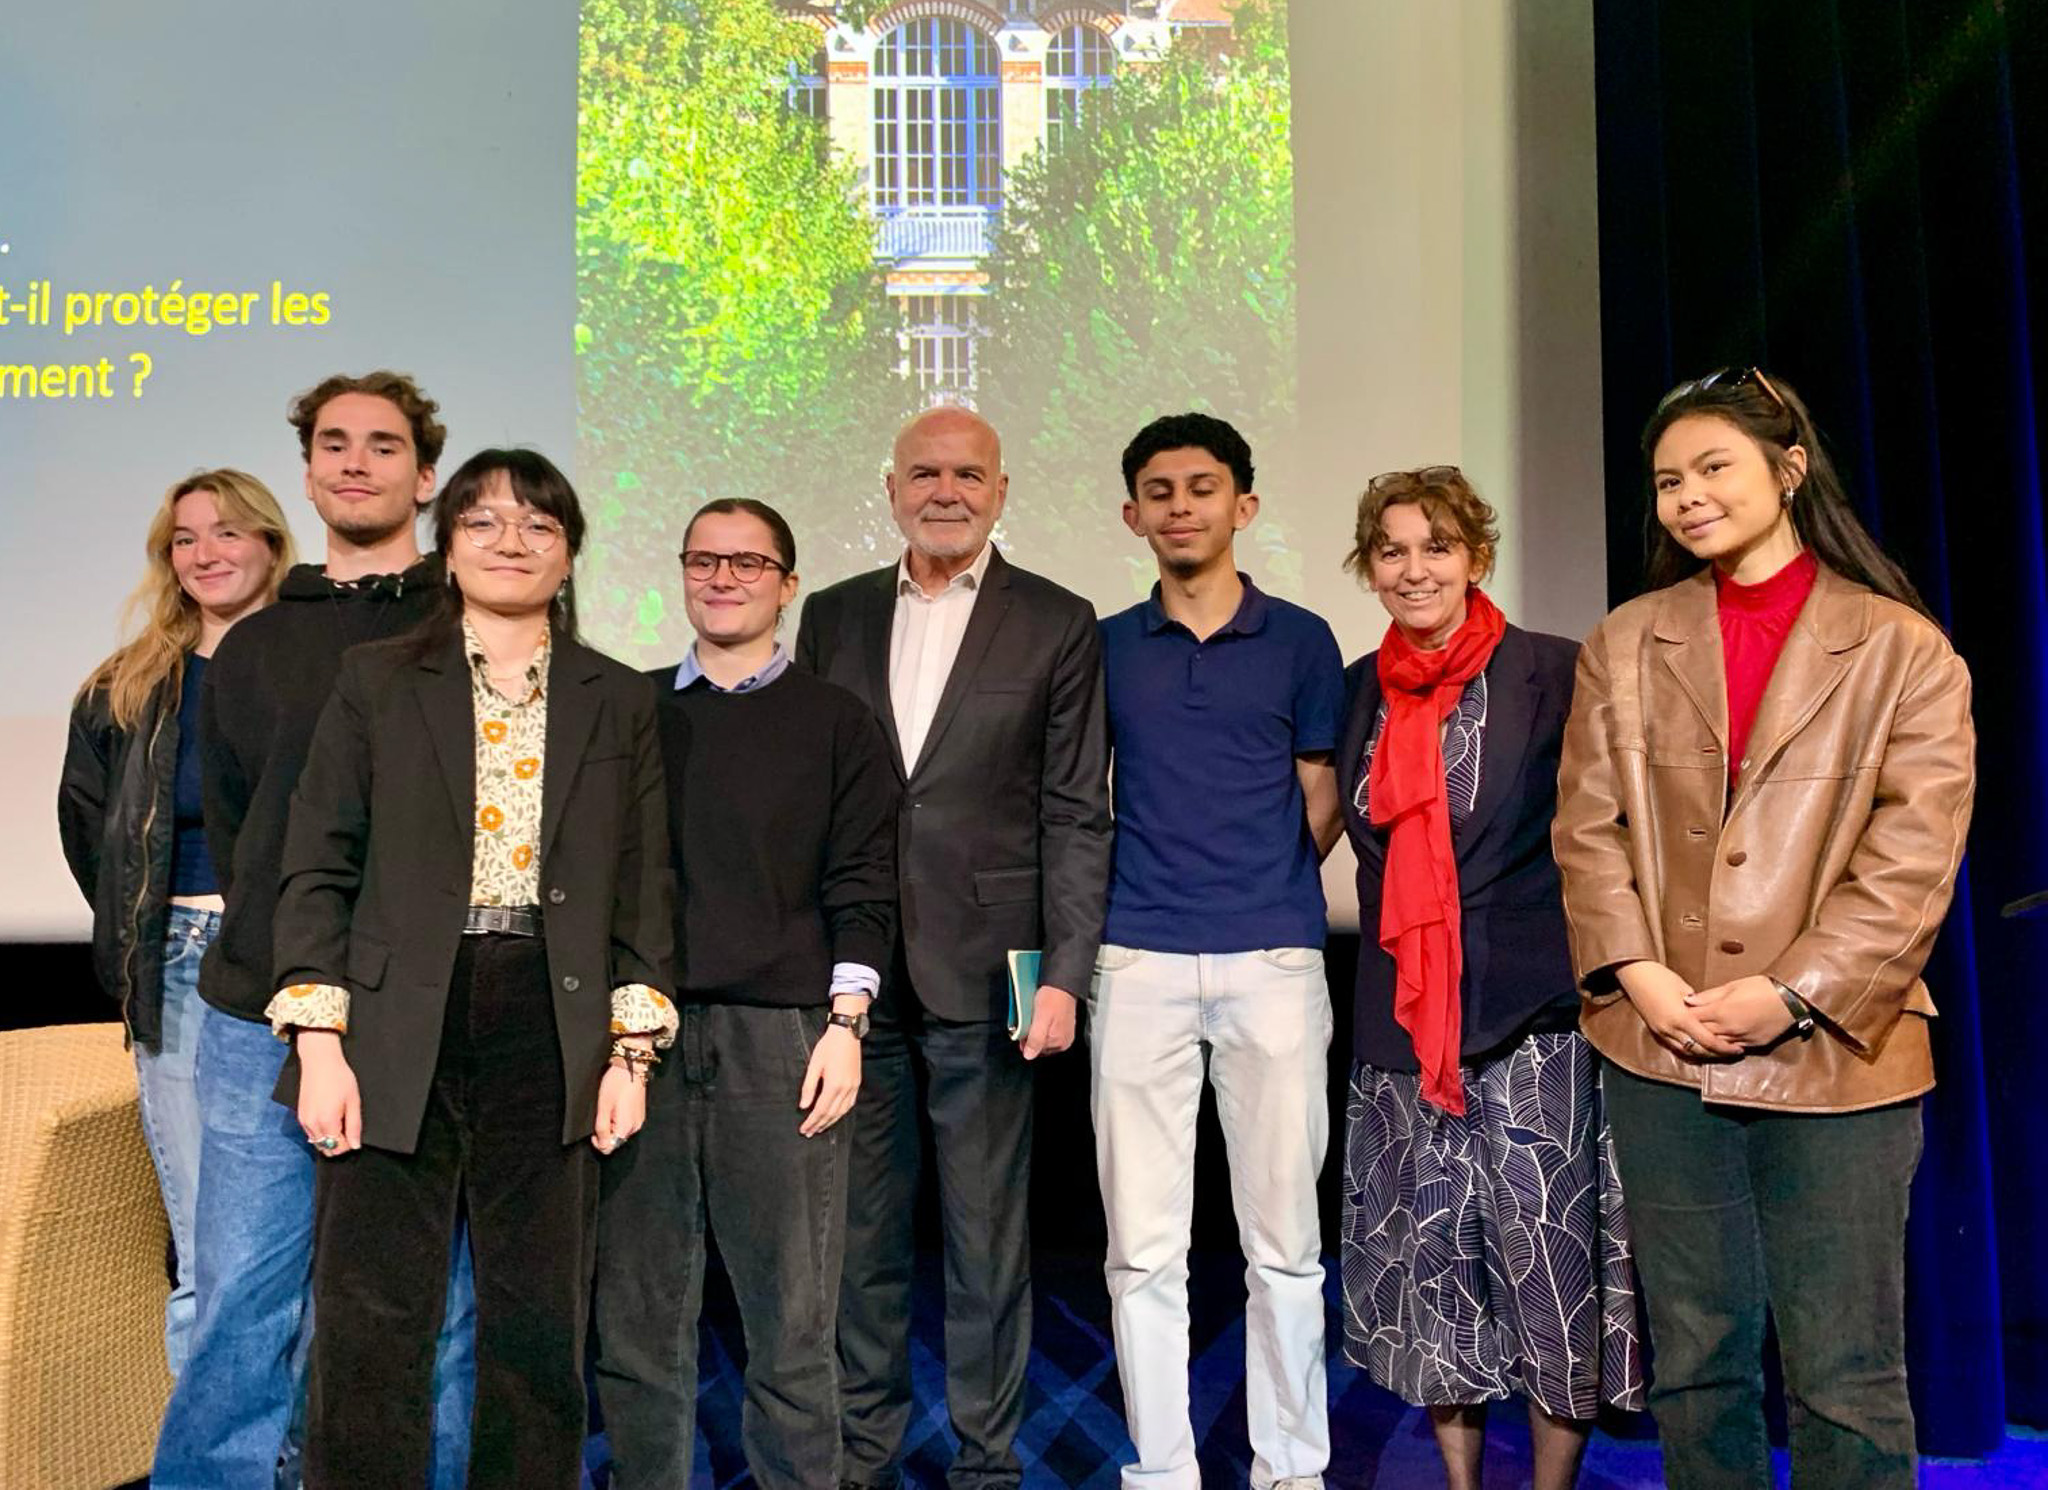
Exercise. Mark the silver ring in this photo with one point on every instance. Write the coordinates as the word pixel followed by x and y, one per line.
pixel 1692 1046
pixel 326 1145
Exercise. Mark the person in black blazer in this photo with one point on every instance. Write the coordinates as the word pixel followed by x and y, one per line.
pixel 1485 1251
pixel 471 936
pixel 988 684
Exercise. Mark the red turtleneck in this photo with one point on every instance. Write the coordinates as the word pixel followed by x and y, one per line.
pixel 1755 620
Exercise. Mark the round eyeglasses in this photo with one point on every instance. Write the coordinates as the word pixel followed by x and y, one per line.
pixel 701 564
pixel 483 527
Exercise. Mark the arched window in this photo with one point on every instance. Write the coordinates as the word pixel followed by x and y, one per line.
pixel 1079 59
pixel 938 117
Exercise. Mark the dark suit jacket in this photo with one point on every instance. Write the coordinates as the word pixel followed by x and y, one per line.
pixel 1518 970
pixel 377 863
pixel 1003 833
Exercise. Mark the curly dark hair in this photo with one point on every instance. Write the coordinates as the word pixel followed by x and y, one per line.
pixel 1189 432
pixel 428 433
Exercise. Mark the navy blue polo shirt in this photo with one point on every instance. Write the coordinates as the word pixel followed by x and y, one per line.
pixel 1213 852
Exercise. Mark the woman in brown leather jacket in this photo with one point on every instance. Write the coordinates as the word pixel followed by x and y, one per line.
pixel 1766 781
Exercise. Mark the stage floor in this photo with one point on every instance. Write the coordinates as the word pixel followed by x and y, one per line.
pixel 1073 1432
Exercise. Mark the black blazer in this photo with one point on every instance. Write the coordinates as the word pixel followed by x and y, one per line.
pixel 1518 969
pixel 377 861
pixel 1003 833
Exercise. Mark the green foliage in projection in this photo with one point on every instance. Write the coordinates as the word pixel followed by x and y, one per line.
pixel 1144 267
pixel 731 324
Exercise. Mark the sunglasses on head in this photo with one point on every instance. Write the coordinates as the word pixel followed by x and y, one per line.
pixel 1729 378
pixel 1404 480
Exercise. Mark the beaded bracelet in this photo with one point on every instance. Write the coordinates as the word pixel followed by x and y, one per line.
pixel 638 1059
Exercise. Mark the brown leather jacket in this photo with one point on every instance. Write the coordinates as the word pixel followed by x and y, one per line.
pixel 1831 867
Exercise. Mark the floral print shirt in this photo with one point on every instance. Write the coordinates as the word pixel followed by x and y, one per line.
pixel 511 753
pixel 511 740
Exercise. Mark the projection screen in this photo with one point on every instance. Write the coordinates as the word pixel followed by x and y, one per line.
pixel 699 248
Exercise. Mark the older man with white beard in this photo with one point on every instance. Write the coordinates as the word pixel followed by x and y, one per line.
pixel 988 683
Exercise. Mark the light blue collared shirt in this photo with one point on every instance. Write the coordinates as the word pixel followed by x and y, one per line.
pixel 690 670
pixel 847 977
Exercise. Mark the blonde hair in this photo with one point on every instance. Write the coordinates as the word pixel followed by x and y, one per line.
pixel 163 619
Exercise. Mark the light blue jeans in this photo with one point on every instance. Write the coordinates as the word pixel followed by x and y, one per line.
pixel 233 1419
pixel 170 1107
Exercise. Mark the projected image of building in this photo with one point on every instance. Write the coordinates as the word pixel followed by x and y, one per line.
pixel 935 101
pixel 799 221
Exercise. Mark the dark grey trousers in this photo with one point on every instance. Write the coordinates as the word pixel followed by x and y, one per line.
pixel 977 1091
pixel 721 1151
pixel 1737 1208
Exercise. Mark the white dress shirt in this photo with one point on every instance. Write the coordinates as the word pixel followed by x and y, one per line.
pixel 923 643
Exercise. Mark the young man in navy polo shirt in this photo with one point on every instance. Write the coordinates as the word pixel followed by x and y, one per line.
pixel 1224 705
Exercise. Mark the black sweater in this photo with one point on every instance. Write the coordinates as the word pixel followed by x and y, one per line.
pixel 264 691
pixel 782 832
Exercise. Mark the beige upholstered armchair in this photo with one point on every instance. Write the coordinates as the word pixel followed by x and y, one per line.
pixel 82 1285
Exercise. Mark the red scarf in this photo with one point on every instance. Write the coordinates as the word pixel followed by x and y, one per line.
pixel 1419 914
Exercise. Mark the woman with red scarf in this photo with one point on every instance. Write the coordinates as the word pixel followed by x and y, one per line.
pixel 1485 1251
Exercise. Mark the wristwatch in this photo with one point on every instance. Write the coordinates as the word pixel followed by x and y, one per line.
pixel 857 1024
pixel 1802 1013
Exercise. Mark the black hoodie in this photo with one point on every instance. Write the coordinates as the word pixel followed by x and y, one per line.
pixel 263 694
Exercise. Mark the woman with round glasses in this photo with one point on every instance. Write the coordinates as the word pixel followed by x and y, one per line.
pixel 1766 781
pixel 782 819
pixel 1485 1253
pixel 473 928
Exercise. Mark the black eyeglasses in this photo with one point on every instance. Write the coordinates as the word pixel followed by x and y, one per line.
pixel 1727 377
pixel 701 564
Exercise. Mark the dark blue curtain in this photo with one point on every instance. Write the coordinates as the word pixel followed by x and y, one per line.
pixel 1854 194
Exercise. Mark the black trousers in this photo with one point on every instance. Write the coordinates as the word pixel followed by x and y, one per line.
pixel 722 1150
pixel 977 1093
pixel 491 1144
pixel 1735 1208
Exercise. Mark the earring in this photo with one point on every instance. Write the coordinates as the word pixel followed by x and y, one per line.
pixel 1786 500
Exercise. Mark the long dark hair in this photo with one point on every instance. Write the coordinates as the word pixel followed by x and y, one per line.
pixel 1770 412
pixel 537 483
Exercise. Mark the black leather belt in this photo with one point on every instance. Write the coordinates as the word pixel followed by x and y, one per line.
pixel 503 920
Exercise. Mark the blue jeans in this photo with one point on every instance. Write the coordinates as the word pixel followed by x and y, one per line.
pixel 231 1420
pixel 170 1107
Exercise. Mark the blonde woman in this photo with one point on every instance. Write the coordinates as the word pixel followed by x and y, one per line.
pixel 128 809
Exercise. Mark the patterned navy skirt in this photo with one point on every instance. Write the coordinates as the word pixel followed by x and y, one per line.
pixel 1488 1255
